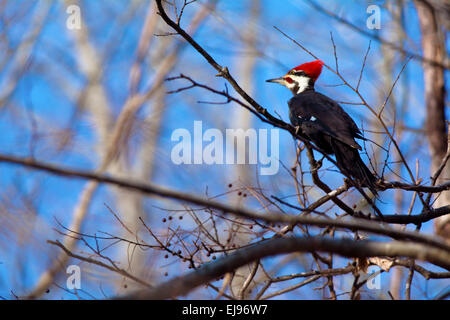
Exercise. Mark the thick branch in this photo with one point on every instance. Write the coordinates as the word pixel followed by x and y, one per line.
pixel 182 285
pixel 415 187
pixel 427 215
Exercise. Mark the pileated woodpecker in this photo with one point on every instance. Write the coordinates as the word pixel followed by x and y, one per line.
pixel 325 123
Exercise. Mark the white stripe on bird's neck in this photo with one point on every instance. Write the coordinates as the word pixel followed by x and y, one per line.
pixel 300 84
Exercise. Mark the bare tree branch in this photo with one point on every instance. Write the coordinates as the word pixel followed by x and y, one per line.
pixel 182 285
pixel 358 224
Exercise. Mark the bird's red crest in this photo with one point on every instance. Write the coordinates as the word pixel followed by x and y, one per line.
pixel 312 69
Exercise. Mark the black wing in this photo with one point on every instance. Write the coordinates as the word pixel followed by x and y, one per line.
pixel 326 114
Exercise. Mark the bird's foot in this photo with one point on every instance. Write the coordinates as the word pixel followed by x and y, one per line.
pixel 317 165
pixel 297 130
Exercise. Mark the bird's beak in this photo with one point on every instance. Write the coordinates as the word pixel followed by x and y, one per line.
pixel 277 80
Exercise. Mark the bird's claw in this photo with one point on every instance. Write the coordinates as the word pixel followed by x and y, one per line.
pixel 317 165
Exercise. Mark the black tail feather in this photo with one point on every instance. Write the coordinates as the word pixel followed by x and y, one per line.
pixel 351 164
